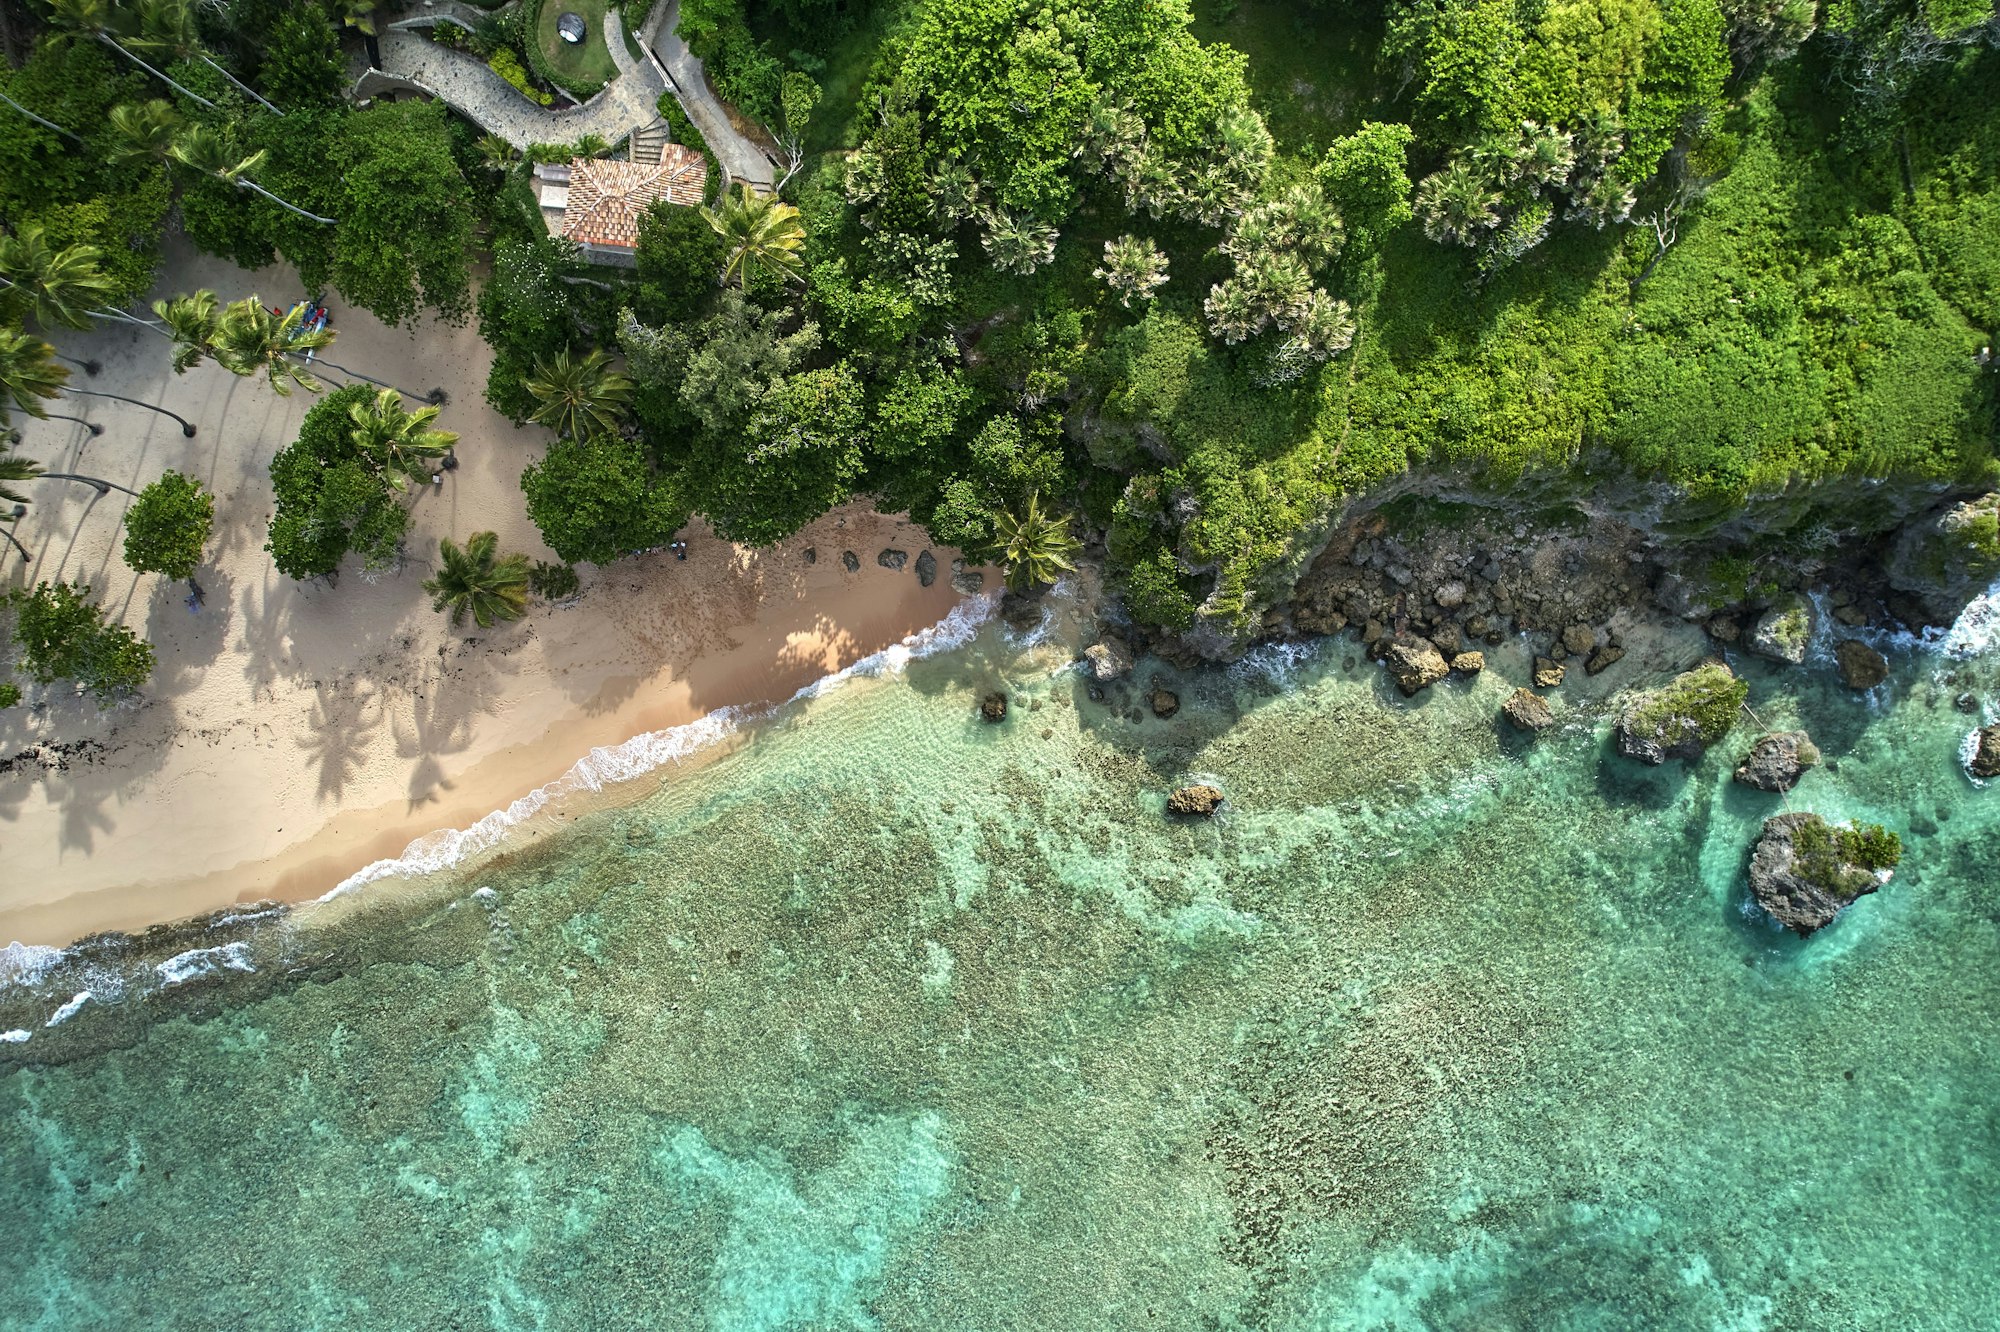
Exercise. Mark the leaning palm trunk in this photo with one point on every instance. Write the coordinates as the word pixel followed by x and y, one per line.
pixel 187 426
pixel 45 124
pixel 15 541
pixel 108 313
pixel 241 86
pixel 243 184
pixel 88 367
pixel 102 486
pixel 106 39
pixel 92 426
pixel 435 397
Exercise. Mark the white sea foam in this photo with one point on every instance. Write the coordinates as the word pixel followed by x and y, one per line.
pixel 69 1010
pixel 198 962
pixel 14 1037
pixel 1977 628
pixel 25 964
pixel 653 750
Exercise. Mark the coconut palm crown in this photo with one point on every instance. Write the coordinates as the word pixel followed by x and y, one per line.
pixel 28 372
pixel 761 231
pixel 480 580
pixel 400 443
pixel 1036 547
pixel 578 396
pixel 249 339
pixel 61 286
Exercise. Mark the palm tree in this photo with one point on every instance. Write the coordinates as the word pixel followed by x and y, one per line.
pixel 399 443
pixel 249 339
pixel 28 372
pixel 193 324
pixel 144 131
pixel 761 231
pixel 167 29
pixel 1134 267
pixel 1017 243
pixel 92 18
pixel 577 397
pixel 62 286
pixel 45 124
pixel 13 467
pixel 1036 547
pixel 1457 204
pixel 479 579
pixel 201 149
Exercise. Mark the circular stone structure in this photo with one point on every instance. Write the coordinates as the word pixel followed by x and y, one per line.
pixel 570 28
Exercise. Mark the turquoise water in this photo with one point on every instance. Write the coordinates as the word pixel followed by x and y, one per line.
pixel 890 1019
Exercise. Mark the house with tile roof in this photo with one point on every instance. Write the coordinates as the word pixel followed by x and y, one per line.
pixel 597 202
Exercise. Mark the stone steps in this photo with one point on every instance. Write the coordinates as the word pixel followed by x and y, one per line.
pixel 649 140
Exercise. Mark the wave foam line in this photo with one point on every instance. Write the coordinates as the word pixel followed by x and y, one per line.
pixel 648 752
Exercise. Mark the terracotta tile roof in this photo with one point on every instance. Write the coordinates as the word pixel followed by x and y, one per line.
pixel 607 198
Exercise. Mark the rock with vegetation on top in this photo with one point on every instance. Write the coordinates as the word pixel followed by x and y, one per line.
pixel 994 707
pixel 1414 663
pixel 926 569
pixel 1784 630
pixel 1778 760
pixel 1684 717
pixel 1548 673
pixel 1528 711
pixel 1804 869
pixel 1861 666
pixel 1950 559
pixel 1469 663
pixel 1986 753
pixel 1109 660
pixel 1195 801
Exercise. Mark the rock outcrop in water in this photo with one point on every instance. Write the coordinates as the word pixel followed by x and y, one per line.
pixel 1414 663
pixel 1986 753
pixel 994 707
pixel 1804 870
pixel 1683 718
pixel 1109 660
pixel 1197 801
pixel 1783 632
pixel 1777 761
pixel 1528 711
pixel 1861 666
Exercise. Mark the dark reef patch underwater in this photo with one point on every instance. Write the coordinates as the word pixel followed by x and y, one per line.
pixel 895 1019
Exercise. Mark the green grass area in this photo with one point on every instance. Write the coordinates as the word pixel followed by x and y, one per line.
pixel 586 65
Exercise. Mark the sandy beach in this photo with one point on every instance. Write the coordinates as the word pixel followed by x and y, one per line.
pixel 292 734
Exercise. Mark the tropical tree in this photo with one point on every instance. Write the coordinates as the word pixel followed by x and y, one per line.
pixel 399 443
pixel 193 323
pixel 578 396
pixel 480 580
pixel 1134 268
pixel 168 525
pixel 249 339
pixel 13 467
pixel 64 635
pixel 1458 204
pixel 201 149
pixel 28 372
pixel 144 131
pixel 760 231
pixel 1036 547
pixel 93 19
pixel 1017 242
pixel 62 287
pixel 167 30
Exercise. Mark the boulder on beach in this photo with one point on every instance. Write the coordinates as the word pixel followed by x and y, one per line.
pixel 1861 666
pixel 893 558
pixel 1682 718
pixel 968 582
pixel 1783 631
pixel 1197 801
pixel 1469 663
pixel 1414 663
pixel 994 707
pixel 1528 711
pixel 1777 761
pixel 850 561
pixel 1986 753
pixel 926 569
pixel 1803 869
pixel 1109 660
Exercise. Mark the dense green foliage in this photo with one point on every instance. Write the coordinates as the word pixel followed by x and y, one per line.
pixel 168 525
pixel 1843 859
pixel 63 635
pixel 332 497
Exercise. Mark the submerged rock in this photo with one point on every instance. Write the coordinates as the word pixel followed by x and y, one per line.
pixel 994 707
pixel 1528 711
pixel 1603 660
pixel 1683 718
pixel 1165 703
pixel 1986 753
pixel 1198 801
pixel 1414 663
pixel 1803 869
pixel 1861 666
pixel 926 569
pixel 1548 673
pixel 1777 761
pixel 1469 663
pixel 1784 630
pixel 1109 660
pixel 1579 639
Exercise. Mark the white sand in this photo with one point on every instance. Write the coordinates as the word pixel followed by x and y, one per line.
pixel 292 734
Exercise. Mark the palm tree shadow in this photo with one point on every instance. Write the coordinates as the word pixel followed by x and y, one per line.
pixel 187 643
pixel 338 739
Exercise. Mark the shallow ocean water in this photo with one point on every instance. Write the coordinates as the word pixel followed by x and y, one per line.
pixel 892 1019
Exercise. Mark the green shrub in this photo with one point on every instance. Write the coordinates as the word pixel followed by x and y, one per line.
pixel 64 635
pixel 10 694
pixel 167 526
pixel 508 66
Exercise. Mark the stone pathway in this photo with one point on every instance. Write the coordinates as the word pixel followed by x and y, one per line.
pixel 627 104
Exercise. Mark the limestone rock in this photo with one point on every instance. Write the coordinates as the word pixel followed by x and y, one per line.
pixel 1109 660
pixel 1804 869
pixel 1528 711
pixel 1986 753
pixel 1684 717
pixel 1195 801
pixel 1451 595
pixel 850 561
pixel 1469 663
pixel 1861 666
pixel 1951 558
pixel 994 707
pixel 1603 660
pixel 1414 663
pixel 1579 639
pixel 1165 703
pixel 1548 673
pixel 1784 630
pixel 1724 628
pixel 926 569
pixel 1778 760
pixel 893 558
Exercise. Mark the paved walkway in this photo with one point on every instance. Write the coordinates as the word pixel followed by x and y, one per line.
pixel 628 103
pixel 741 158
